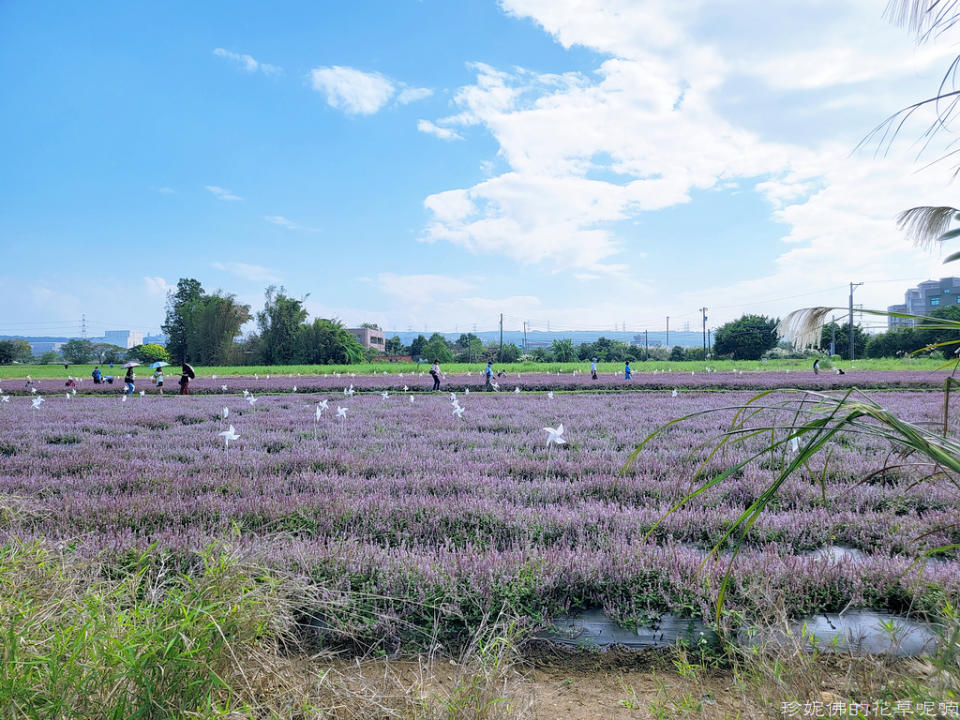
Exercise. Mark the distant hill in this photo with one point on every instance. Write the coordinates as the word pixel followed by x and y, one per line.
pixel 537 338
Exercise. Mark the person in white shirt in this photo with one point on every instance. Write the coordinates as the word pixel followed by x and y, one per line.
pixel 435 373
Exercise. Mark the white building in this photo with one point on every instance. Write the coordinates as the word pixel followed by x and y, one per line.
pixel 123 338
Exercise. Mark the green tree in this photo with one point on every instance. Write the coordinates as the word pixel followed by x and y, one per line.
pixel 468 348
pixel 436 348
pixel 213 323
pixel 280 323
pixel 149 353
pixel 395 346
pixel 860 339
pixel 14 350
pixel 180 307
pixel 48 358
pixel 747 338
pixel 416 347
pixel 677 353
pixel 563 350
pixel 107 353
pixel 324 342
pixel 77 351
pixel 511 353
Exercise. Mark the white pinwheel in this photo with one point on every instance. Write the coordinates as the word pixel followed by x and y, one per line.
pixel 317 414
pixel 384 394
pixel 466 391
pixel 223 388
pixel 37 402
pixel 674 393
pixel 68 396
pixel 229 435
pixel 453 397
pixel 322 404
pixel 123 398
pixel 405 388
pixel 4 398
pixel 73 392
pixel 213 377
pixel 246 392
pixel 226 413
pixel 142 393
pixel 458 411
pixel 411 398
pixel 294 388
pixel 516 391
pixel 555 436
pixel 33 391
pixel 341 412
pixel 251 400
pixel 550 395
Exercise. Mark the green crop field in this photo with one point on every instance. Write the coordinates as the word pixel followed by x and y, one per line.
pixel 58 371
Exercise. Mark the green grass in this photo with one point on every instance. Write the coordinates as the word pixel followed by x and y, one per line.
pixel 57 371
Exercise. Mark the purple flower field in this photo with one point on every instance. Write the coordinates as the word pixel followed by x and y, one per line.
pixel 409 506
pixel 700 379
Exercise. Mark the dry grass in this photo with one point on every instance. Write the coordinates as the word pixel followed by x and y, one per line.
pixel 226 640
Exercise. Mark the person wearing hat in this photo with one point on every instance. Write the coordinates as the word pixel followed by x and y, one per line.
pixel 593 369
pixel 488 374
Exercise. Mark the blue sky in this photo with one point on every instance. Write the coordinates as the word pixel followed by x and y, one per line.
pixel 433 164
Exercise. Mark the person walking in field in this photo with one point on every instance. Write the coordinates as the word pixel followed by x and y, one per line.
pixel 626 371
pixel 593 369
pixel 158 379
pixel 129 380
pixel 816 366
pixel 435 374
pixel 488 374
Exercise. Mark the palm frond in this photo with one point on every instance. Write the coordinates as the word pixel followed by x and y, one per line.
pixel 926 18
pixel 926 225
pixel 802 328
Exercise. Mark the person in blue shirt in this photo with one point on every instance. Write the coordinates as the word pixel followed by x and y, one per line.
pixel 593 369
pixel 96 374
pixel 488 374
pixel 626 371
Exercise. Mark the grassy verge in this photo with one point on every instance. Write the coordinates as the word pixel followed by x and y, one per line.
pixel 57 371
pixel 221 641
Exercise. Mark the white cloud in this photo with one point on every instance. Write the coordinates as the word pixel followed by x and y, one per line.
pixel 158 286
pixel 254 273
pixel 356 92
pixel 248 62
pixel 421 289
pixel 353 91
pixel 286 223
pixel 425 126
pixel 412 94
pixel 222 193
pixel 166 191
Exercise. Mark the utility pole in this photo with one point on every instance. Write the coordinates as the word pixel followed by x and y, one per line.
pixel 500 356
pixel 646 346
pixel 703 311
pixel 83 325
pixel 850 340
pixel 668 331
pixel 524 336
pixel 709 339
pixel 833 337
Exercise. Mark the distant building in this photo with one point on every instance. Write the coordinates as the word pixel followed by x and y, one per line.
pixel 123 338
pixel 160 339
pixel 370 338
pixel 39 347
pixel 924 298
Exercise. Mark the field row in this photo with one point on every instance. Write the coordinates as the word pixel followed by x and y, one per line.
pixel 700 379
pixel 401 501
